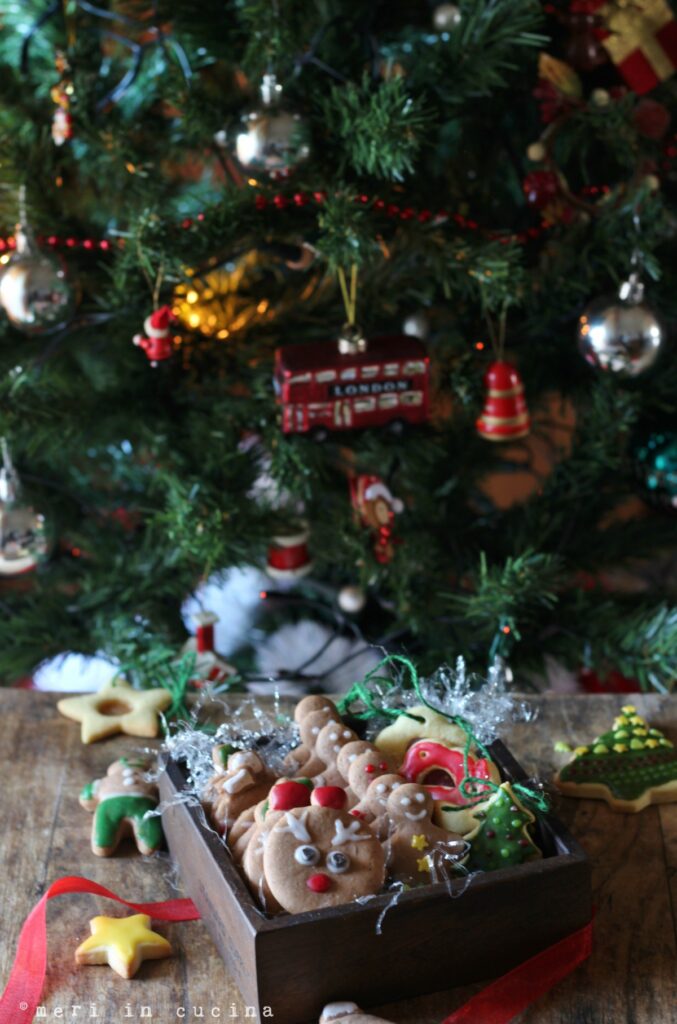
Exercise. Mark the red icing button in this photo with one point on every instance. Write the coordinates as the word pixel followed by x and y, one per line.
pixel 383 766
pixel 319 883
pixel 329 796
pixel 285 795
pixel 356 814
pixel 369 769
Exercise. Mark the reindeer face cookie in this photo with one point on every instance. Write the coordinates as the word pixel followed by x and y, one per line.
pixel 317 857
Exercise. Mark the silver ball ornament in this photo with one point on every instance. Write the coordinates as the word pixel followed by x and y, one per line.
pixel 447 17
pixel 22 531
pixel 417 325
pixel 351 599
pixel 272 140
pixel 620 334
pixel 34 290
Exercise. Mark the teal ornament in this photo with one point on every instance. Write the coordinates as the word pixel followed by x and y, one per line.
pixel 656 468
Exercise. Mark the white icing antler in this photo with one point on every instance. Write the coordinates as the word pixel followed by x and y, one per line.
pixel 347 833
pixel 297 827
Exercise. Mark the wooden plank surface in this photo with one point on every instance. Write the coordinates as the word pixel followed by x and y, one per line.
pixel 630 979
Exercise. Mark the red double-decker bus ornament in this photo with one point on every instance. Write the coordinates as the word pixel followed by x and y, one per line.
pixel 322 387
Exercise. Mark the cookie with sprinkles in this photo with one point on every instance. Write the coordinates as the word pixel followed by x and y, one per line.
pixel 630 766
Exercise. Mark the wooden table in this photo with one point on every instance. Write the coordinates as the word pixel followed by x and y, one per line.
pixel 631 977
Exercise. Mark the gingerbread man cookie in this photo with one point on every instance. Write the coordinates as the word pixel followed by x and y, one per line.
pixel 245 782
pixel 123 802
pixel 320 856
pixel 372 809
pixel 331 738
pixel 117 708
pixel 348 1013
pixel 414 838
pixel 299 759
pixel 363 769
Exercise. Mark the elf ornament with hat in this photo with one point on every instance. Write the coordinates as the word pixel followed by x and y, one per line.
pixel 376 508
pixel 157 342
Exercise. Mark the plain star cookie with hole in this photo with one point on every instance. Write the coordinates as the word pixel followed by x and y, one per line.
pixel 117 708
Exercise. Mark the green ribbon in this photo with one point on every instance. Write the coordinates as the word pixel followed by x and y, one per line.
pixel 363 693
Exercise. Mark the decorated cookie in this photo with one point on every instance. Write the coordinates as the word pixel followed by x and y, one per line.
pixel 284 796
pixel 441 769
pixel 419 723
pixel 323 710
pixel 309 730
pixel 372 809
pixel 364 769
pixel 413 839
pixel 319 856
pixel 116 708
pixel 331 738
pixel 348 1013
pixel 245 782
pixel 457 818
pixel 502 835
pixel 123 943
pixel 631 766
pixel 123 802
pixel 350 753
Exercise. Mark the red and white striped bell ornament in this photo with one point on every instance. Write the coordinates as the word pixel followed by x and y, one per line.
pixel 505 416
pixel 288 555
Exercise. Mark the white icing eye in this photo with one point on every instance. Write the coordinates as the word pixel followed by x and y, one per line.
pixel 420 797
pixel 405 801
pixel 381 788
pixel 395 785
pixel 351 758
pixel 338 862
pixel 337 749
pixel 333 736
pixel 347 734
pixel 315 729
pixel 307 855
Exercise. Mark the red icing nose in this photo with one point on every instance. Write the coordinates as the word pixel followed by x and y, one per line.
pixel 319 883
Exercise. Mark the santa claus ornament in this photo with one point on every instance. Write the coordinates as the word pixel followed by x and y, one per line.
pixel 157 342
pixel 505 416
pixel 376 509
pixel 210 667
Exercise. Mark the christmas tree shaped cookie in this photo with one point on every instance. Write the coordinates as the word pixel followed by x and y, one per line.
pixel 630 767
pixel 501 837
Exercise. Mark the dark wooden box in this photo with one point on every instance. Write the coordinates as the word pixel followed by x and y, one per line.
pixel 429 940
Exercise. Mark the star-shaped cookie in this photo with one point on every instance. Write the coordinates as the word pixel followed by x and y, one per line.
pixel 116 708
pixel 123 943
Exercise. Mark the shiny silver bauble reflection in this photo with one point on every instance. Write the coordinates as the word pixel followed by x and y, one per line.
pixel 446 17
pixel 34 290
pixel 620 337
pixel 272 141
pixel 417 325
pixel 351 599
pixel 23 542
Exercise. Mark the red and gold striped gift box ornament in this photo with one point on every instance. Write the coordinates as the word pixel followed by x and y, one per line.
pixel 505 416
pixel 640 37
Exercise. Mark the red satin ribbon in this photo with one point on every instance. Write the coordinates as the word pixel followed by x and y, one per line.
pixel 513 992
pixel 21 996
pixel 498 1003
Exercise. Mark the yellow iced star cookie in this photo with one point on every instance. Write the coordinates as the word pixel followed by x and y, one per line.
pixel 419 842
pixel 123 943
pixel 116 709
pixel 424 724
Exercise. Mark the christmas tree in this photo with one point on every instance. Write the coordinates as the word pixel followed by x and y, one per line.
pixel 446 231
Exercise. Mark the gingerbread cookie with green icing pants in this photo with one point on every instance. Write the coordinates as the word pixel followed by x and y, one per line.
pixel 631 766
pixel 348 1013
pixel 121 802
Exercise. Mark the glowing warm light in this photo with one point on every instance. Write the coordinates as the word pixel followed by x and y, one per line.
pixel 263 595
pixel 225 333
pixel 506 629
pixel 479 345
pixel 252 181
pixel 262 306
pixel 194 319
pixel 5 258
pixel 192 297
pixel 129 166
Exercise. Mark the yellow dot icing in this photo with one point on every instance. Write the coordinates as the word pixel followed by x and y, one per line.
pixel 620 748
